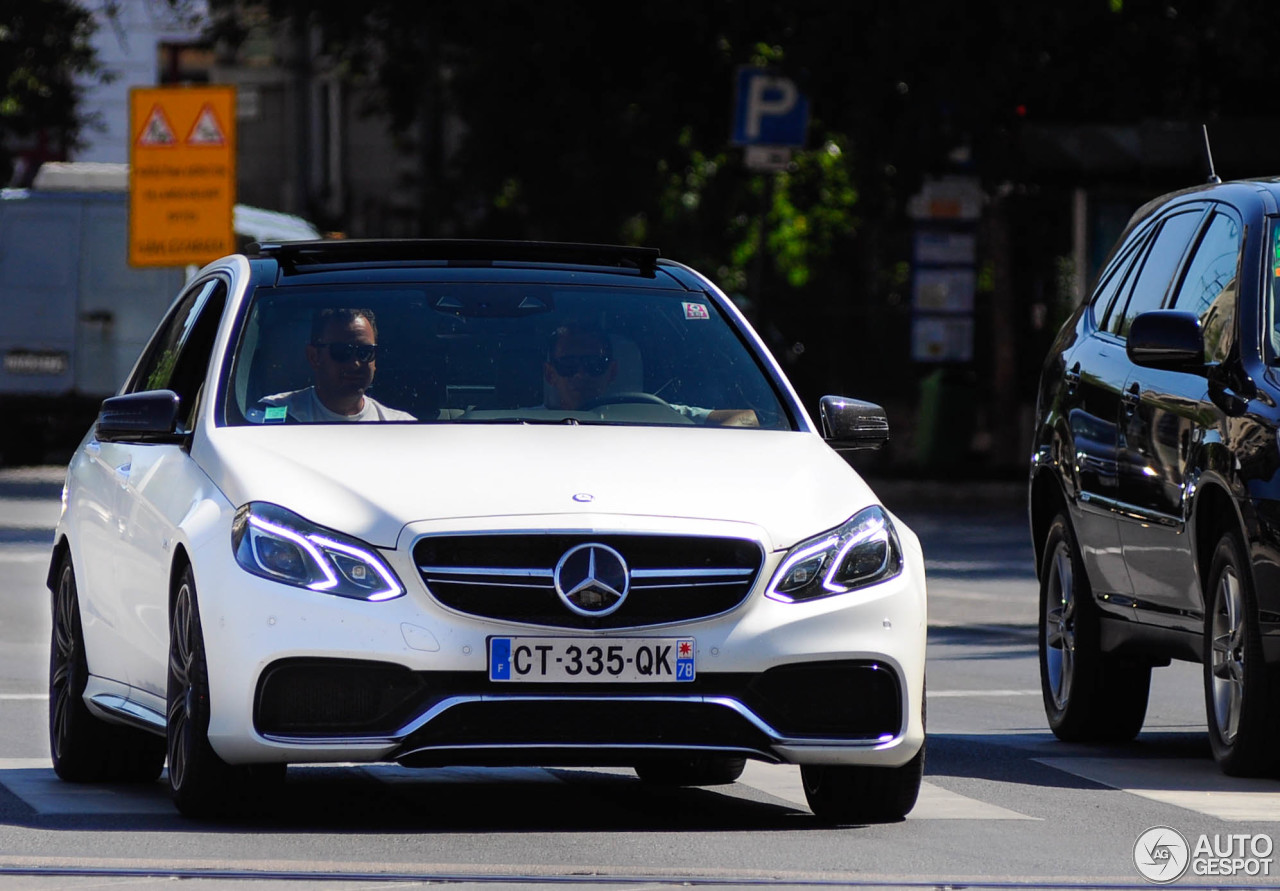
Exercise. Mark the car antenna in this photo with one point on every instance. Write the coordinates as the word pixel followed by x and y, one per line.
pixel 1213 177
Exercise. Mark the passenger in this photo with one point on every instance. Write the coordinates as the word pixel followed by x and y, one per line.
pixel 342 353
pixel 580 368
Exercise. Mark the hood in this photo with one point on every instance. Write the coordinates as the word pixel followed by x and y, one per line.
pixel 371 480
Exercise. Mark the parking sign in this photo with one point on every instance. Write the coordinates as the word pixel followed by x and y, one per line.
pixel 768 110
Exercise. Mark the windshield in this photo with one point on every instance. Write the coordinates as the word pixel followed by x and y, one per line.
pixel 495 353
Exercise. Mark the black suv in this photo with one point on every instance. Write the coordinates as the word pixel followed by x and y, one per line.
pixel 1154 496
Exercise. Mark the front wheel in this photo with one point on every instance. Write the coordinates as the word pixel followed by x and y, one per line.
pixel 202 784
pixel 1237 681
pixel 844 795
pixel 1089 695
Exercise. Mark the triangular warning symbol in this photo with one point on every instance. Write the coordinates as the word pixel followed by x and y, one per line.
pixel 157 131
pixel 206 130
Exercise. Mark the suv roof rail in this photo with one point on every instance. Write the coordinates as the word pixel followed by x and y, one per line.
pixel 461 250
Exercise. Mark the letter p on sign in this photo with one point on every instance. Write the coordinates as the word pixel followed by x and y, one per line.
pixel 768 110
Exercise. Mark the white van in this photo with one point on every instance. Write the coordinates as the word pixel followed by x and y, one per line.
pixel 75 313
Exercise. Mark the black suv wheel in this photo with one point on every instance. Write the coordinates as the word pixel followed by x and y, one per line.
pixel 1089 695
pixel 1237 683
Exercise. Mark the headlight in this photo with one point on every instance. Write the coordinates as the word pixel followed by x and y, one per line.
pixel 861 552
pixel 279 545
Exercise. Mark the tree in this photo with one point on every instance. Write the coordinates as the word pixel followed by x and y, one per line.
pixel 44 44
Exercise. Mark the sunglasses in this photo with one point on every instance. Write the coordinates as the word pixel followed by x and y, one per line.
pixel 345 352
pixel 568 366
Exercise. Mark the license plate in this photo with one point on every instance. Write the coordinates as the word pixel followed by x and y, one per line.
pixel 592 660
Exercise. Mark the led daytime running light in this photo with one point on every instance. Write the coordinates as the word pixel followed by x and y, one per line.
pixel 871 533
pixel 330 581
pixel 392 585
pixel 801 556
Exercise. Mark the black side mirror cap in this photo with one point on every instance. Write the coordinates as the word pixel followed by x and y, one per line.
pixel 1166 338
pixel 852 423
pixel 149 416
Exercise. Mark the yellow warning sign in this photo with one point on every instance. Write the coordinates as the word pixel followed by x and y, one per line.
pixel 157 131
pixel 182 190
pixel 207 130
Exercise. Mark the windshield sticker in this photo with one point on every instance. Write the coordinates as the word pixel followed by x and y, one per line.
pixel 276 414
pixel 696 311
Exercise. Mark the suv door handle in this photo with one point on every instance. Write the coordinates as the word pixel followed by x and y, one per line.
pixel 1131 398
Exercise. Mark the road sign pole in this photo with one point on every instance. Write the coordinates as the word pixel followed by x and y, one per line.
pixel 756 283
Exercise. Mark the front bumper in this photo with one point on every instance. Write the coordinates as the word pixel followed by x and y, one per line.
pixel 439 718
pixel 832 681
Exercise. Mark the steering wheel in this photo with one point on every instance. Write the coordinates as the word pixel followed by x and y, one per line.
pixel 623 399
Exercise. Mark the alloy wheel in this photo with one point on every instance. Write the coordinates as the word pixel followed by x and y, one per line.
pixel 1228 655
pixel 1060 626
pixel 63 679
pixel 181 705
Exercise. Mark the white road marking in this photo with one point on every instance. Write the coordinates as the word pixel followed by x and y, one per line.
pixel 22 697
pixel 966 694
pixel 1194 784
pixel 979 566
pixel 935 803
pixel 11 554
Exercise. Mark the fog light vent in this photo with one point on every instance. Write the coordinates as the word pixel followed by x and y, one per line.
pixel 329 697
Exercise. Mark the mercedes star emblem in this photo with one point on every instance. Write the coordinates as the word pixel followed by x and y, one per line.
pixel 592 579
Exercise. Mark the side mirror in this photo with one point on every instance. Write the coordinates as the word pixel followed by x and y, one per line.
pixel 149 416
pixel 852 423
pixel 1166 338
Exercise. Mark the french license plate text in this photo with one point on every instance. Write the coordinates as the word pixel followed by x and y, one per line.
pixel 592 660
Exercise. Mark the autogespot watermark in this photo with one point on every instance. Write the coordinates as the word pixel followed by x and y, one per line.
pixel 1163 855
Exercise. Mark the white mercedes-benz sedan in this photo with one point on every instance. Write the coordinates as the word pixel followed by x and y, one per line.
pixel 478 503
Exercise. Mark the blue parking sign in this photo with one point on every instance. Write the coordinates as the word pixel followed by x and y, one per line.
pixel 768 109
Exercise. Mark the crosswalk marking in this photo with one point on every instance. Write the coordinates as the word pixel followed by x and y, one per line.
pixel 935 803
pixel 16 554
pixel 1194 784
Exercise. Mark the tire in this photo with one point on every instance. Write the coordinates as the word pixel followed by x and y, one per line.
pixel 201 783
pixel 1089 695
pixel 1237 682
pixel 845 795
pixel 700 770
pixel 83 747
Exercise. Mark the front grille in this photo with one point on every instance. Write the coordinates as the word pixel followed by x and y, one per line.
pixel 511 576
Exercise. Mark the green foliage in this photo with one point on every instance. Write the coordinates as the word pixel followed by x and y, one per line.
pixel 43 45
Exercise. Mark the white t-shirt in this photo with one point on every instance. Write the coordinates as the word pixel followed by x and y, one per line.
pixel 303 405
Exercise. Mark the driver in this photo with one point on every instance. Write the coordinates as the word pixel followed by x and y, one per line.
pixel 580 368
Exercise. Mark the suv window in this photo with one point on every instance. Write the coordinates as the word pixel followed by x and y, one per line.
pixel 1210 285
pixel 1104 297
pixel 1158 269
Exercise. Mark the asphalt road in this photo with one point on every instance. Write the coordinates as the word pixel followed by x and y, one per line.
pixel 1004 803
